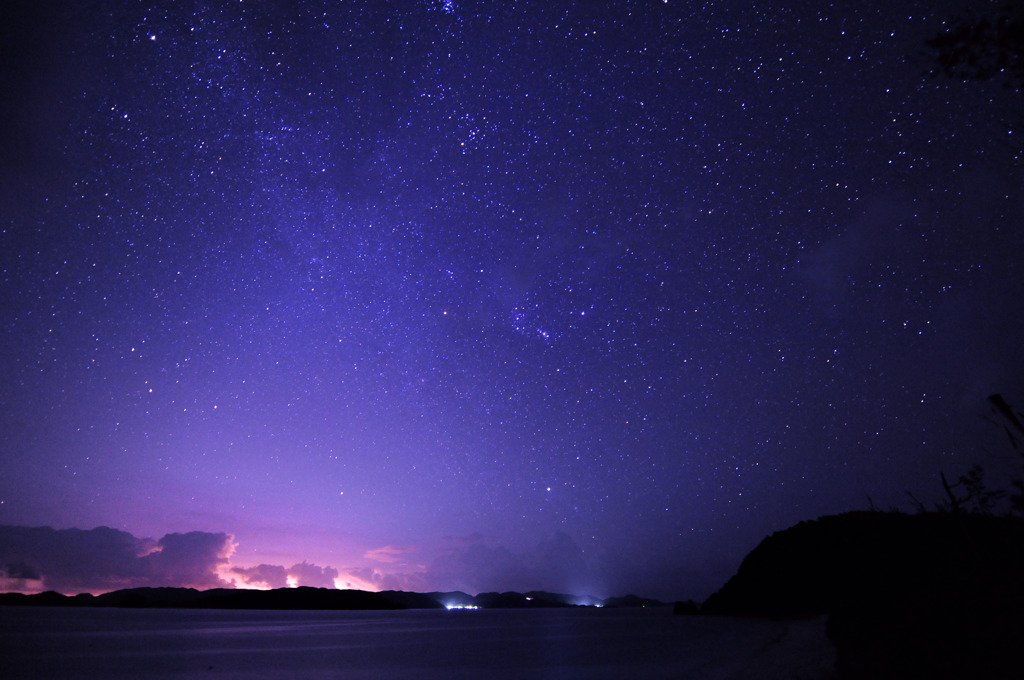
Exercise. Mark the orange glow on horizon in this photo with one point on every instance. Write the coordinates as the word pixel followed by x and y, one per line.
pixel 350 582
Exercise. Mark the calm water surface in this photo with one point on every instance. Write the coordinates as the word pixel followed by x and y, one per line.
pixel 553 643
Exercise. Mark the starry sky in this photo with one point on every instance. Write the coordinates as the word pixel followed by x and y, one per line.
pixel 579 296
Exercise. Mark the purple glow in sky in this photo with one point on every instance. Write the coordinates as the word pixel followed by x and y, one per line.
pixel 578 296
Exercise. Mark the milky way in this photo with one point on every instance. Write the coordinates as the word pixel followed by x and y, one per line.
pixel 580 296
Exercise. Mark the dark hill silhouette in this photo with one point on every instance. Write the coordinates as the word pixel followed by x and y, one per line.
pixel 512 600
pixel 410 600
pixel 875 558
pixel 302 597
pixel 631 601
pixel 934 595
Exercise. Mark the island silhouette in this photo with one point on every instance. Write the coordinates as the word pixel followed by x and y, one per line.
pixel 309 598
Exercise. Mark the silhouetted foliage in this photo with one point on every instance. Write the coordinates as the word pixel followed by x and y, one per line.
pixel 1012 422
pixel 979 47
pixel 970 493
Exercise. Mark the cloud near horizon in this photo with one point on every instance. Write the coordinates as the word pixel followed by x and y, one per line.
pixel 389 554
pixel 71 561
pixel 104 559
pixel 262 576
pixel 277 576
pixel 34 559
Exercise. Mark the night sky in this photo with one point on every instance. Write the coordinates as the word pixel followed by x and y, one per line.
pixel 579 296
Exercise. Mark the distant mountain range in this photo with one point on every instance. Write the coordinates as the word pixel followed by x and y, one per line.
pixel 307 598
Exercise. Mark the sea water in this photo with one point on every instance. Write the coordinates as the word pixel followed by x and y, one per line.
pixel 58 643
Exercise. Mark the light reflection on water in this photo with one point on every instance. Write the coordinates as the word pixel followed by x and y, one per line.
pixel 564 643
